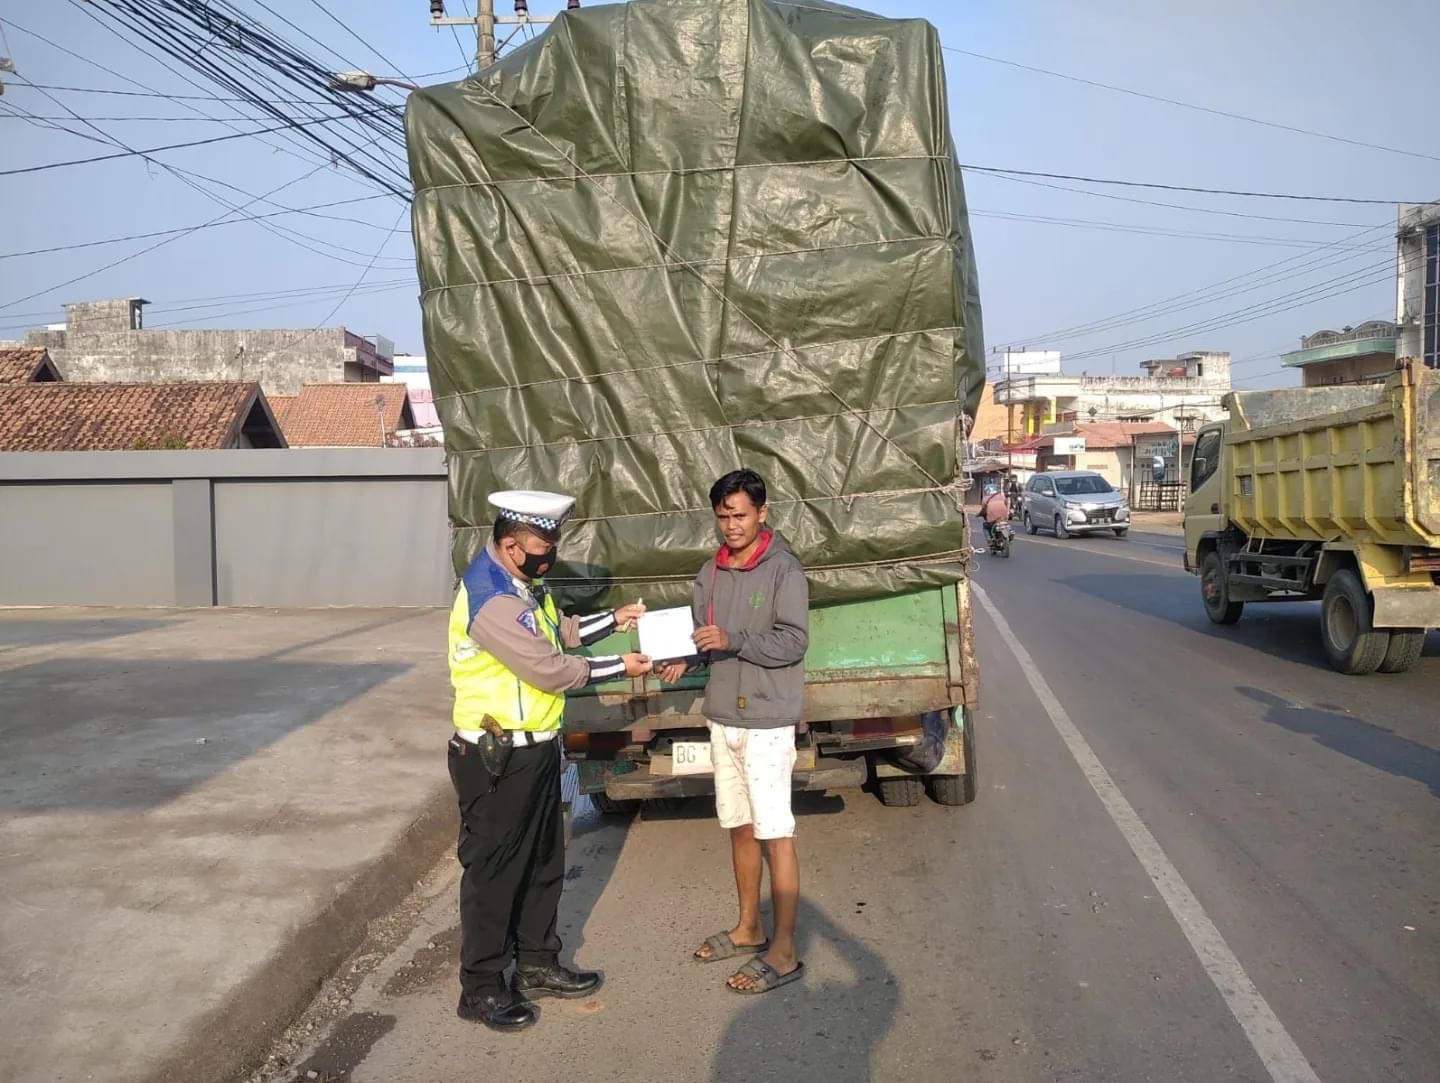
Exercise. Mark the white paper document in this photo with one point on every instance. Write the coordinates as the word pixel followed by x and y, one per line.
pixel 668 635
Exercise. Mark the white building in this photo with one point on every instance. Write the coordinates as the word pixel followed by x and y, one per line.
pixel 412 371
pixel 1182 392
pixel 1417 304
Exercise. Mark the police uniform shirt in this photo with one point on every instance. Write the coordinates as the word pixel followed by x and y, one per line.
pixel 508 627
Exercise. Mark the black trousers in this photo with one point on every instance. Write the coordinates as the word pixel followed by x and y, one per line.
pixel 512 848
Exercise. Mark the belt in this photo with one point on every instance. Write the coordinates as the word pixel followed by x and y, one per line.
pixel 518 738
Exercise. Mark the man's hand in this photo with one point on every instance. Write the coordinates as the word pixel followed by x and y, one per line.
pixel 712 638
pixel 636 665
pixel 672 672
pixel 627 615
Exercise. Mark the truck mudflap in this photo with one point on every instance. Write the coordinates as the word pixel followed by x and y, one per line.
pixel 1402 607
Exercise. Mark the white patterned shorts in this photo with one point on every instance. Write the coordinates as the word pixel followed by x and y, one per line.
pixel 753 777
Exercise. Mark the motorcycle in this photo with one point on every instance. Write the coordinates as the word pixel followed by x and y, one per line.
pixel 1001 536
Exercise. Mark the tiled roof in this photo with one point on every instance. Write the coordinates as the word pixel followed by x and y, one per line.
pixel 1111 434
pixel 122 417
pixel 21 364
pixel 344 415
pixel 281 406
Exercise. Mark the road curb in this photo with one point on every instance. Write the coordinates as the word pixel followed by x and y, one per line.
pixel 232 1039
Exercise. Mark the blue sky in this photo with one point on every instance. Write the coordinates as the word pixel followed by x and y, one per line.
pixel 1051 260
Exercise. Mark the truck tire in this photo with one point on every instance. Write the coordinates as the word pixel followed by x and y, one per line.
pixel 1215 591
pixel 950 789
pixel 608 806
pixel 1351 641
pixel 901 792
pixel 1406 646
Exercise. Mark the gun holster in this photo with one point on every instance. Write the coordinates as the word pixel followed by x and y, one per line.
pixel 495 751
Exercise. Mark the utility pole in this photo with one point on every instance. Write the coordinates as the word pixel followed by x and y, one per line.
pixel 484 33
pixel 485 22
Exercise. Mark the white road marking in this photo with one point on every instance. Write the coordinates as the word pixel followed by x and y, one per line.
pixel 1268 1037
pixel 1173 565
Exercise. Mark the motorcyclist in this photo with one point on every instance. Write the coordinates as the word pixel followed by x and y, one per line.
pixel 994 509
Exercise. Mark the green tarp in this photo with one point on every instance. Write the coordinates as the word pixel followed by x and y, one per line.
pixel 674 237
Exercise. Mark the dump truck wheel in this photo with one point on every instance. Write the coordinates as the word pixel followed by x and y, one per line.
pixel 1351 641
pixel 608 806
pixel 1406 646
pixel 1215 591
pixel 901 792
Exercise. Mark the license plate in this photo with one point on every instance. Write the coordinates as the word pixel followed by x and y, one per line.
pixel 691 758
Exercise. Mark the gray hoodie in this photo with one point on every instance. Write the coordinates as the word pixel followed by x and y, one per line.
pixel 759 683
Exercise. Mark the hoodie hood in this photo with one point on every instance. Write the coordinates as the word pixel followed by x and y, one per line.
pixel 771 544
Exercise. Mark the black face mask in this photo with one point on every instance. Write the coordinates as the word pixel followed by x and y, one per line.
pixel 534 565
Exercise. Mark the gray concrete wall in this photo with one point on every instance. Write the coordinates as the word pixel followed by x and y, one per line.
pixel 284 529
pixel 282 361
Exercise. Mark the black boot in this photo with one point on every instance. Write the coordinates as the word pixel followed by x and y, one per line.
pixel 500 1009
pixel 554 981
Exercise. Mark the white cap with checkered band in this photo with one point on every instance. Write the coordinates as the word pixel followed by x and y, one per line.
pixel 548 511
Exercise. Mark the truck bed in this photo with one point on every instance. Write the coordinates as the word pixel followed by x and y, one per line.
pixel 1323 464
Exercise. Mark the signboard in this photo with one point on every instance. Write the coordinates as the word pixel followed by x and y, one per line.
pixel 1030 363
pixel 1069 445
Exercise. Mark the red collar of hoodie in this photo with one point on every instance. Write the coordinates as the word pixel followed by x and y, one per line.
pixel 722 555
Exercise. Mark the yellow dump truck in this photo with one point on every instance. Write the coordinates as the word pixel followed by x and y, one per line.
pixel 1329 494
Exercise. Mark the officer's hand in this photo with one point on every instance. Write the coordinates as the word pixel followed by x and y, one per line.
pixel 636 665
pixel 712 638
pixel 627 615
pixel 672 672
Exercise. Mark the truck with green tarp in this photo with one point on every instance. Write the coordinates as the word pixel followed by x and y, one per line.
pixel 669 238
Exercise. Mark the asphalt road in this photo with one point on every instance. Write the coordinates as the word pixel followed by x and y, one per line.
pixel 1022 938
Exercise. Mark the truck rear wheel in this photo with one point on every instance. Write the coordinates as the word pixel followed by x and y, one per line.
pixel 1215 591
pixel 1406 646
pixel 1351 641
pixel 901 792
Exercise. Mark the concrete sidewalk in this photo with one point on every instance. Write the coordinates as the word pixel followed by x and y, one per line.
pixel 199 812
pixel 1159 522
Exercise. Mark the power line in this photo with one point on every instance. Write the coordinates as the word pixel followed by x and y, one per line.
pixel 1190 105
pixel 1152 231
pixel 134 82
pixel 1177 102
pixel 1337 287
pixel 348 293
pixel 156 150
pixel 173 97
pixel 128 119
pixel 1175 206
pixel 189 229
pixel 1301 263
pixel 1189 187
pixel 157 244
pixel 292 235
pixel 278 64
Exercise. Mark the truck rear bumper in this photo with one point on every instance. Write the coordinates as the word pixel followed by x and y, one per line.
pixel 641 785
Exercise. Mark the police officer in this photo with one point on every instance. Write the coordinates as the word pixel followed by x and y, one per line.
pixel 510 675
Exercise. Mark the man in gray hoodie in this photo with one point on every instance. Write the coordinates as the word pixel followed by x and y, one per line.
pixel 752 611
